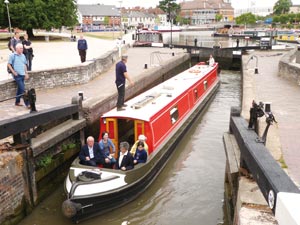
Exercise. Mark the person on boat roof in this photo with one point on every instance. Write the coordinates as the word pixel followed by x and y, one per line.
pixel 90 153
pixel 142 138
pixel 141 154
pixel 108 149
pixel 125 159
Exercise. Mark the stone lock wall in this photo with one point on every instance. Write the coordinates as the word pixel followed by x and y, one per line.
pixel 11 184
pixel 289 68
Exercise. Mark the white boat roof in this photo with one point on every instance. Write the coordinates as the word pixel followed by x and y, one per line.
pixel 147 104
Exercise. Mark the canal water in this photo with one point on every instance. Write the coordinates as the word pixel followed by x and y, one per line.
pixel 190 189
pixel 204 39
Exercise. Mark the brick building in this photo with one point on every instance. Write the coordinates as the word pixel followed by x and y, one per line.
pixel 205 11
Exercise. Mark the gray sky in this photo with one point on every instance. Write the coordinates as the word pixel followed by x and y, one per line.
pixel 153 3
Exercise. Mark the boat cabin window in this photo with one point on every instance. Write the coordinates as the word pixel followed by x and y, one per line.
pixel 174 114
pixel 147 37
pixel 196 96
pixel 205 85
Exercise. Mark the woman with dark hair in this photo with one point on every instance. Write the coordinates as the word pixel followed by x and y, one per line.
pixel 108 149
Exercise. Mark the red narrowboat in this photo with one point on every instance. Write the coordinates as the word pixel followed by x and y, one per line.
pixel 163 114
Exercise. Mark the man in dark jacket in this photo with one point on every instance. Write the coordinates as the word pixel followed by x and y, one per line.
pixel 90 153
pixel 82 47
pixel 125 159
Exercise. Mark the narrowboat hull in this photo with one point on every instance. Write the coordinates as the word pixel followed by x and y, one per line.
pixel 133 182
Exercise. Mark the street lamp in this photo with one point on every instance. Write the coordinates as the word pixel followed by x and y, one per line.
pixel 121 29
pixel 7 2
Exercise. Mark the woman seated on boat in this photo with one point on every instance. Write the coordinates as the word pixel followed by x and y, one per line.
pixel 125 159
pixel 141 154
pixel 140 138
pixel 90 153
pixel 108 149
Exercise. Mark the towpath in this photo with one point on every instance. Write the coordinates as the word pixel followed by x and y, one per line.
pixel 283 138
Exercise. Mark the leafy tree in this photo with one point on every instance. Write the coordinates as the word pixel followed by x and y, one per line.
pixel 246 18
pixel 182 20
pixel 39 14
pixel 106 20
pixel 170 7
pixel 218 17
pixel 282 7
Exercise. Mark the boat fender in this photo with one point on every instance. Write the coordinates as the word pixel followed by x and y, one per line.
pixel 88 176
pixel 70 208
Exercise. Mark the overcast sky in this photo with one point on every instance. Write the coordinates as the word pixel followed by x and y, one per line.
pixel 153 3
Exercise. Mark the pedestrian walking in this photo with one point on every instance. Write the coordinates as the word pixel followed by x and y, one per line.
pixel 82 48
pixel 28 51
pixel 17 65
pixel 121 76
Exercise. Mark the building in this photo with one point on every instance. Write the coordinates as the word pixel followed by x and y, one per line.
pixel 138 18
pixel 259 11
pixel 99 16
pixel 295 9
pixel 205 11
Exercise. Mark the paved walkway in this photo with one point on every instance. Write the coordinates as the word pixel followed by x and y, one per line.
pixel 58 54
pixel 283 137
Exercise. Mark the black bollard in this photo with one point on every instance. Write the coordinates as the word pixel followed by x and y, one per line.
pixel 32 99
pixel 146 66
pixel 80 93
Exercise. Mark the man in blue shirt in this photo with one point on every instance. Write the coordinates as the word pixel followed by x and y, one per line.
pixel 82 47
pixel 121 76
pixel 17 64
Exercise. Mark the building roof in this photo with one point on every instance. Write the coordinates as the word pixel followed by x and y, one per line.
pixel 135 14
pixel 205 4
pixel 98 10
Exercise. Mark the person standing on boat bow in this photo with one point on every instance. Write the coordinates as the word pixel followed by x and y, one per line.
pixel 90 154
pixel 121 76
pixel 211 61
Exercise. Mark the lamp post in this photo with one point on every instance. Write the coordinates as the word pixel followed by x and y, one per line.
pixel 7 2
pixel 121 28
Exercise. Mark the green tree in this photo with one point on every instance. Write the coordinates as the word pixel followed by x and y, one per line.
pixel 106 20
pixel 170 7
pixel 39 14
pixel 282 7
pixel 218 17
pixel 246 18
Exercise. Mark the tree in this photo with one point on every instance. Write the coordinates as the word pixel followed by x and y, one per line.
pixel 170 7
pixel 246 18
pixel 40 14
pixel 282 7
pixel 218 17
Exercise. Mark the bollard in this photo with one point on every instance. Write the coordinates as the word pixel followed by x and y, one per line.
pixel 256 70
pixel 173 54
pixel 267 107
pixel 146 66
pixel 80 93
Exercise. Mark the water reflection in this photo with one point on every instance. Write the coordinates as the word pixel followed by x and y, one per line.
pixel 189 190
